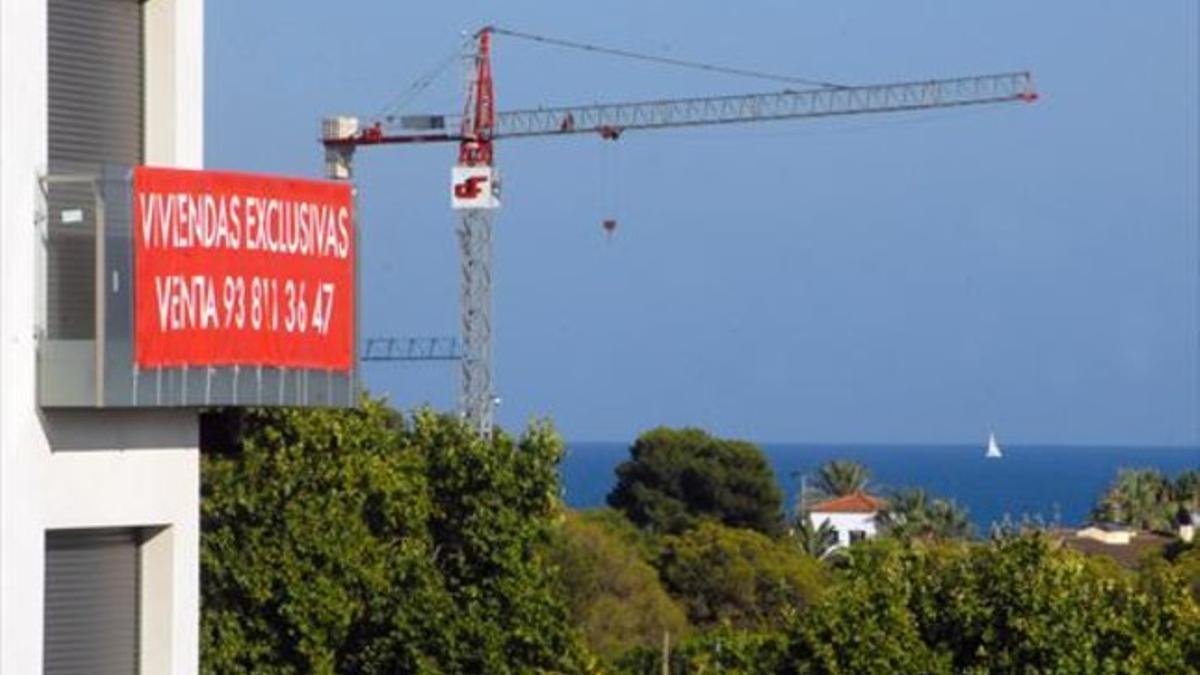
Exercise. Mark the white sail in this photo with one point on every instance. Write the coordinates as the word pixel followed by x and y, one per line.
pixel 993 450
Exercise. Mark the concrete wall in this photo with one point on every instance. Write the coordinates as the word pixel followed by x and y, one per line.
pixel 845 522
pixel 76 469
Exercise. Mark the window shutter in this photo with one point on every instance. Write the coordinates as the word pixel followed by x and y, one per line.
pixel 92 592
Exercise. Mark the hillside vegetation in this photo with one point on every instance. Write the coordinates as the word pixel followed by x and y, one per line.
pixel 370 542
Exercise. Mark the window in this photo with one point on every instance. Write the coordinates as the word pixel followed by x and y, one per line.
pixel 95 82
pixel 92 593
pixel 857 536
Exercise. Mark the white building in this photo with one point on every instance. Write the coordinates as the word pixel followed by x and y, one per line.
pixel 851 516
pixel 99 506
pixel 1114 534
pixel 1187 526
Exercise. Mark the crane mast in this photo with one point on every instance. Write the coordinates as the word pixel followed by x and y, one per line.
pixel 475 197
pixel 475 182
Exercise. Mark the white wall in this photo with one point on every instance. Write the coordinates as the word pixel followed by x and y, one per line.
pixel 73 469
pixel 845 522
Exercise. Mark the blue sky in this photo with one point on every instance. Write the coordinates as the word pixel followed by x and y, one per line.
pixel 915 278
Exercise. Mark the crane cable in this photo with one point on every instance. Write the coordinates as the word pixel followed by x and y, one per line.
pixel 396 105
pixel 665 60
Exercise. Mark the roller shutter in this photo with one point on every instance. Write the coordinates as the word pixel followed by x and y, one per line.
pixel 95 89
pixel 91 616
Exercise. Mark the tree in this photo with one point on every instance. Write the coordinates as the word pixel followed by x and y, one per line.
pixel 1017 604
pixel 358 541
pixel 841 477
pixel 1023 603
pixel 615 597
pixel 911 512
pixel 905 512
pixel 948 519
pixel 1187 564
pixel 724 575
pixel 1140 498
pixel 676 478
pixel 865 624
pixel 1185 491
pixel 814 540
pixel 723 650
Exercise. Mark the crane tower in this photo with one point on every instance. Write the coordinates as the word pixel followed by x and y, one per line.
pixel 475 181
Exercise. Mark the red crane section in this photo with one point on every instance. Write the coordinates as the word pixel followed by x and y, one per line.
pixel 479 113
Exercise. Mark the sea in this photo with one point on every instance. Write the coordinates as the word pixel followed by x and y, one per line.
pixel 1056 484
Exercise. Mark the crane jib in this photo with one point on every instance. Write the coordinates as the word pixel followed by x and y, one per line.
pixel 703 111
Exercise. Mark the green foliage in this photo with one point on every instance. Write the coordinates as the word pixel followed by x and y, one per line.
pixel 677 477
pixel 615 524
pixel 1018 604
pixel 1185 491
pixel 614 596
pixel 1027 606
pixel 865 623
pixel 814 540
pixel 841 477
pixel 354 542
pixel 364 542
pixel 729 576
pixel 1141 498
pixel 724 650
pixel 912 513
pixel 1187 564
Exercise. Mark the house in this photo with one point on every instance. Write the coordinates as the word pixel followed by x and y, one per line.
pixel 1116 542
pixel 1113 534
pixel 852 516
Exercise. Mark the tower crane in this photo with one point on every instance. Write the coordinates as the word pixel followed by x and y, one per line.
pixel 475 181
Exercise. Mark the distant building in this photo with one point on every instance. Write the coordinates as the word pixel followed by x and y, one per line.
pixel 852 516
pixel 1120 543
pixel 1187 526
pixel 1113 534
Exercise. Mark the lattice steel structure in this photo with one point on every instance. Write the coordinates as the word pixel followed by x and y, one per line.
pixel 605 119
pixel 413 349
pixel 477 394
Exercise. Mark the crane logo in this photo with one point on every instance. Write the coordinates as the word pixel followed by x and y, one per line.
pixel 474 187
pixel 469 188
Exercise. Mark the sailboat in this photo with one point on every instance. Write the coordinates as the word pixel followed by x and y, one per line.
pixel 993 450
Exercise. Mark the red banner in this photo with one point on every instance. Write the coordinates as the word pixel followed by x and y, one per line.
pixel 238 269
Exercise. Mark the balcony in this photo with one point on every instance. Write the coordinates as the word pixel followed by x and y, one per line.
pixel 85 331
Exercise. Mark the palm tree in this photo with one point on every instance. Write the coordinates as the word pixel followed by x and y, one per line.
pixel 815 540
pixel 912 513
pixel 1185 491
pixel 1140 498
pixel 841 477
pixel 905 514
pixel 948 520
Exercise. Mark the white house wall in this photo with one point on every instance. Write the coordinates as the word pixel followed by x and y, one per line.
pixel 88 468
pixel 845 522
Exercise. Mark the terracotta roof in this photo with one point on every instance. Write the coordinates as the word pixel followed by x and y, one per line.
pixel 857 502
